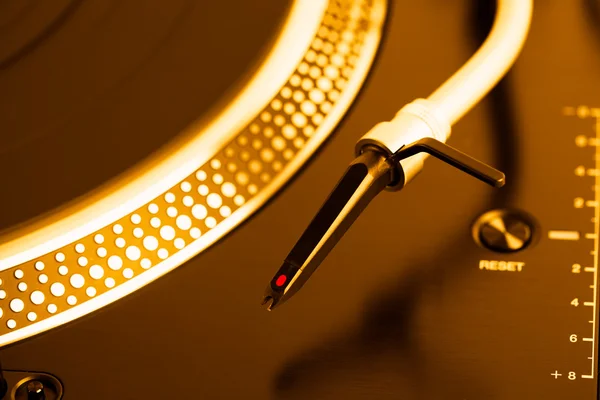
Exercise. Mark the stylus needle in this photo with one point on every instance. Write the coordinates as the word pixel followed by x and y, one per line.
pixel 368 175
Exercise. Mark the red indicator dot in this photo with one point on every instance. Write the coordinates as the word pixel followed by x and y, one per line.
pixel 281 280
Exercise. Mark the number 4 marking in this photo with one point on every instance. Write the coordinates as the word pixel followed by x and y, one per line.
pixel 575 302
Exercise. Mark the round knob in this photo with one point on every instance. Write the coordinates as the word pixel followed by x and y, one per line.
pixel 35 391
pixel 504 232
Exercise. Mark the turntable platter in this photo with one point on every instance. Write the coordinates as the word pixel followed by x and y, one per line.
pixel 192 191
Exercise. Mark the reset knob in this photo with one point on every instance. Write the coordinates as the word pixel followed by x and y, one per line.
pixel 503 231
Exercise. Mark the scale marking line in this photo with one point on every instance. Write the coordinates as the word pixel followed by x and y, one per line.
pixel 595 252
pixel 589 303
pixel 563 235
pixel 589 269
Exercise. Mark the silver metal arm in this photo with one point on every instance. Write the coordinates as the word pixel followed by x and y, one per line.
pixel 434 116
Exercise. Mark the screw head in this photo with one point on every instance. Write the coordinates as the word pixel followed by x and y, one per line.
pixel 35 390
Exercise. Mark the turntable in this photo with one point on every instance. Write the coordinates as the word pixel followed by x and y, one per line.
pixel 161 159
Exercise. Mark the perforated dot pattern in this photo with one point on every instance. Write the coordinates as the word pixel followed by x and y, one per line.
pixel 131 246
